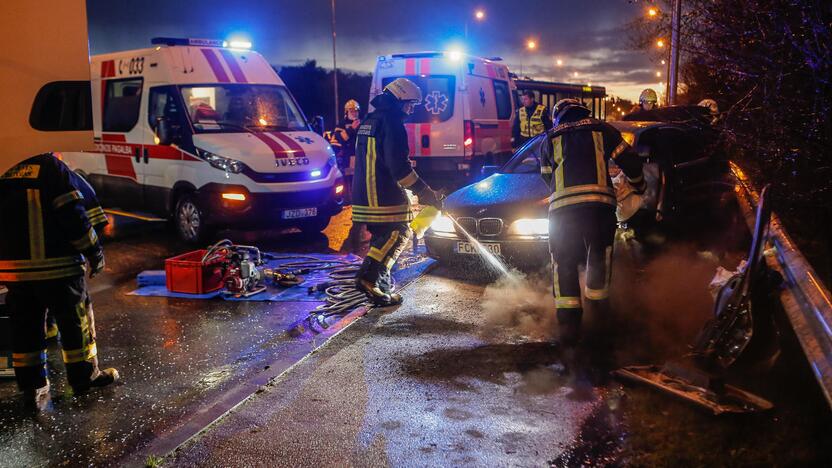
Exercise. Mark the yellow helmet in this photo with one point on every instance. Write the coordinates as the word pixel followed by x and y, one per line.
pixel 352 105
pixel 404 90
pixel 648 96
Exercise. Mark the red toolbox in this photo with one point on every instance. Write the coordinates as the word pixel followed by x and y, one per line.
pixel 187 274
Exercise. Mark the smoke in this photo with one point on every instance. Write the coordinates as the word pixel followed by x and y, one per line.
pixel 521 306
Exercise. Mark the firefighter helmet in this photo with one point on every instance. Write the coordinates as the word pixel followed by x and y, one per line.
pixel 710 104
pixel 648 96
pixel 352 105
pixel 404 90
pixel 565 106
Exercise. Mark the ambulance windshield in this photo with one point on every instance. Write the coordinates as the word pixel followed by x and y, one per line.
pixel 232 108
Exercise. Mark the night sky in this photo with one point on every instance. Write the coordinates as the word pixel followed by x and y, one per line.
pixel 589 36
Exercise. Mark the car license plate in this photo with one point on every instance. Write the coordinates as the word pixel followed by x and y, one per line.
pixel 300 213
pixel 468 248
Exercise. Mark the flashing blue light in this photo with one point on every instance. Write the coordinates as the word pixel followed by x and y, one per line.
pixel 239 43
pixel 316 173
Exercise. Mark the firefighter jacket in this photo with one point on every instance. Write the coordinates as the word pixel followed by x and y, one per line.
pixel 530 121
pixel 95 213
pixel 382 166
pixel 344 137
pixel 574 158
pixel 45 231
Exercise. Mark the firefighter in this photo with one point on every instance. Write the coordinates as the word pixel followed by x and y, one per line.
pixel 647 101
pixel 382 175
pixel 531 120
pixel 46 238
pixel 574 162
pixel 343 138
pixel 98 220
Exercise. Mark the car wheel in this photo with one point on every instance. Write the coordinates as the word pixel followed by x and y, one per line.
pixel 189 220
pixel 314 226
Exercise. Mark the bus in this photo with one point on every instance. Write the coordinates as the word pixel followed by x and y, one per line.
pixel 549 93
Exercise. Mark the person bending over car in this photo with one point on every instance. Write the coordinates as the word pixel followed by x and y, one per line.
pixel 574 159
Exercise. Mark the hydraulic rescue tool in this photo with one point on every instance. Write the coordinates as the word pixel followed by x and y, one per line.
pixel 741 332
pixel 242 276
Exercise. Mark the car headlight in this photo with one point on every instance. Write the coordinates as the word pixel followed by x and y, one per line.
pixel 442 223
pixel 530 227
pixel 225 164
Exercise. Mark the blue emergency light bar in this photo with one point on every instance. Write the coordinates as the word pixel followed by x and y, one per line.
pixel 183 41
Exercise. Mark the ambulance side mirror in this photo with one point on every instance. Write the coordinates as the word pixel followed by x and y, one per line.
pixel 318 124
pixel 164 132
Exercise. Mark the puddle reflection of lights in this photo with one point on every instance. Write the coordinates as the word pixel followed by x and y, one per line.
pixel 315 173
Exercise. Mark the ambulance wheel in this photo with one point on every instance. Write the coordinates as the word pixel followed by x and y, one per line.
pixel 314 226
pixel 189 220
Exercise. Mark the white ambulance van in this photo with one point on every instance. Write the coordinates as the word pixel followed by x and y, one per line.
pixel 464 119
pixel 208 136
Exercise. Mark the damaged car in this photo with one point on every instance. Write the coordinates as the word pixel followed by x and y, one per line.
pixel 507 211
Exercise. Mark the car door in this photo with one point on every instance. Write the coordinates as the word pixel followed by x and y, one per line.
pixel 159 161
pixel 122 134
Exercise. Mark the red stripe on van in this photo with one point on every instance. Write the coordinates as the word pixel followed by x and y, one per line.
pixel 231 61
pixel 424 130
pixel 120 166
pixel 120 137
pixel 216 66
pixel 410 66
pixel 489 69
pixel 411 139
pixel 164 152
pixel 424 66
pixel 293 145
pixel 278 149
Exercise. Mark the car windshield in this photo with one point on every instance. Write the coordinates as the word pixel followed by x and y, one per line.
pixel 525 159
pixel 231 108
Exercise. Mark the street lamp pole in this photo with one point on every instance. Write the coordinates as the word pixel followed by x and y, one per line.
pixel 334 67
pixel 672 79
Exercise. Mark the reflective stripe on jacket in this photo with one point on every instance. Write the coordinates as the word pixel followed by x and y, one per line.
pixel 45 228
pixel 574 159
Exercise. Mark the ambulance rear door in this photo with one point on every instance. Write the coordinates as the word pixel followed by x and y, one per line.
pixel 120 137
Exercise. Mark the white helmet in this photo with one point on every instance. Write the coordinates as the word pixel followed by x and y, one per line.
pixel 710 104
pixel 648 96
pixel 404 90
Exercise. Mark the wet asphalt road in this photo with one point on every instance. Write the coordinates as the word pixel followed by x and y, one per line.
pixel 463 374
pixel 458 375
pixel 176 357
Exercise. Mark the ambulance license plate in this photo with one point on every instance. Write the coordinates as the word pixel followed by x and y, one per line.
pixel 300 213
pixel 467 248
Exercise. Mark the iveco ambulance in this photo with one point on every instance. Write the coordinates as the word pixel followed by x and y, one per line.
pixel 208 136
pixel 464 119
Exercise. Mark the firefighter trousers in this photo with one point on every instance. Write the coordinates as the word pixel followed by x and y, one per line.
pixel 581 235
pixel 387 243
pixel 67 300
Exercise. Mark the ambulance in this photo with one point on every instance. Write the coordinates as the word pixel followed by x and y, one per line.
pixel 465 117
pixel 206 134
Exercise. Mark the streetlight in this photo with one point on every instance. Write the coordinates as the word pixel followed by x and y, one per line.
pixel 479 15
pixel 531 44
pixel 660 43
pixel 664 62
pixel 658 73
pixel 559 62
pixel 652 12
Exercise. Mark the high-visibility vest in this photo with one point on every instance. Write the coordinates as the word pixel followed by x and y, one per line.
pixel 531 126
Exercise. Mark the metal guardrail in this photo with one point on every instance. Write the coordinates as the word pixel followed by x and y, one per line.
pixel 807 302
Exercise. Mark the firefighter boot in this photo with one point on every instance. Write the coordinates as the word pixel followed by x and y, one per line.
pixel 367 281
pixel 387 285
pixel 569 327
pixel 104 378
pixel 38 399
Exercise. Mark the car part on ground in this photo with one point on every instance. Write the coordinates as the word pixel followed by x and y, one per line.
pixel 737 321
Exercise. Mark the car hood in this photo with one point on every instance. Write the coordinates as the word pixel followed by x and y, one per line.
pixel 269 152
pixel 506 196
